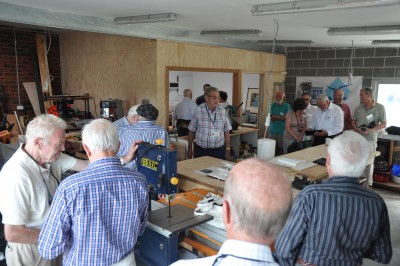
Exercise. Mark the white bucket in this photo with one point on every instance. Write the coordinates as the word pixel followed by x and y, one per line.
pixel 266 149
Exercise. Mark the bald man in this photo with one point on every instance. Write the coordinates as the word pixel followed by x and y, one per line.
pixel 279 109
pixel 183 112
pixel 254 212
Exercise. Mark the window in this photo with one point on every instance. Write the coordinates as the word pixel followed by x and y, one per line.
pixel 387 93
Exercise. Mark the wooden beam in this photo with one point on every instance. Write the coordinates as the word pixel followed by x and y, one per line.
pixel 43 67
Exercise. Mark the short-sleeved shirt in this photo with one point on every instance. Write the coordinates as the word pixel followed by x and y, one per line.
pixel 25 187
pixel 97 215
pixel 278 127
pixel 347 118
pixel 185 109
pixel 294 124
pixel 209 126
pixel 379 115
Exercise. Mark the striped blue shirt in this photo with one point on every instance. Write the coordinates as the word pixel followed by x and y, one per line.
pixel 336 223
pixel 210 126
pixel 147 131
pixel 96 216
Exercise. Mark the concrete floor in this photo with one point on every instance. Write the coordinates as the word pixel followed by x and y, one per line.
pixel 392 200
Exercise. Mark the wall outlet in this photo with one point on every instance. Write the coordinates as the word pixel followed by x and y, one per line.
pixel 20 107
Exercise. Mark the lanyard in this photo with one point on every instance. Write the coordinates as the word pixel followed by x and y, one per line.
pixel 209 116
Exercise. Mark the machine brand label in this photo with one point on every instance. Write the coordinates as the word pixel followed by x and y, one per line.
pixel 153 165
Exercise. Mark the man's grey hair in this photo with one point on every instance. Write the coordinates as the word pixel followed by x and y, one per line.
pixel 323 97
pixel 100 135
pixel 367 91
pixel 187 93
pixel 209 90
pixel 349 154
pixel 258 214
pixel 132 110
pixel 43 127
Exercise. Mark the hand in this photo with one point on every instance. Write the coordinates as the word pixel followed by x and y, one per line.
pixel 132 152
pixel 189 154
pixel 321 134
pixel 227 154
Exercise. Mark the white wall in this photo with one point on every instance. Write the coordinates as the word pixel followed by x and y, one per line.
pixel 222 81
pixel 249 81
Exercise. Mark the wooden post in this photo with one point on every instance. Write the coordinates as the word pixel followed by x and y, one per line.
pixel 44 68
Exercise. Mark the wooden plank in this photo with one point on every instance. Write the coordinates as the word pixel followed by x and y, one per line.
pixel 43 68
pixel 31 90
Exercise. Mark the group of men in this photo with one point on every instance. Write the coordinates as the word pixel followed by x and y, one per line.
pixel 96 216
pixel 329 119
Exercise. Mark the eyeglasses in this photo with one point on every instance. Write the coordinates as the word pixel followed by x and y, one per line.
pixel 306 99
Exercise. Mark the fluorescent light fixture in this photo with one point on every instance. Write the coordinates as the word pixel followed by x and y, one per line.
pixel 286 43
pixel 373 30
pixel 316 5
pixel 230 32
pixel 163 17
pixel 386 43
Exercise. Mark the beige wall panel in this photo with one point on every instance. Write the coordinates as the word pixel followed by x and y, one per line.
pixel 108 66
pixel 174 54
pixel 132 69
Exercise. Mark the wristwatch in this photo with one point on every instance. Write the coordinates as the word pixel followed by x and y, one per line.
pixel 122 161
pixel 228 148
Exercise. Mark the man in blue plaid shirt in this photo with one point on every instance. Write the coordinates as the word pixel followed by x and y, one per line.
pixel 210 125
pixel 97 215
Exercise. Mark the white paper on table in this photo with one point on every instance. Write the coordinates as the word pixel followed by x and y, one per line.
pixel 303 166
pixel 288 162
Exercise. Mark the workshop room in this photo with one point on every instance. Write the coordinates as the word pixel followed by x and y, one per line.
pixel 199 133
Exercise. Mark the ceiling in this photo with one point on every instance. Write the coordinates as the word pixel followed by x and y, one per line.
pixel 195 16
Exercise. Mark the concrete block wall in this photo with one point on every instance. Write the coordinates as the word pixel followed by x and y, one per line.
pixel 317 61
pixel 26 45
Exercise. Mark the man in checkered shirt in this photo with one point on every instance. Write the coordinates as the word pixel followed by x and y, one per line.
pixel 210 126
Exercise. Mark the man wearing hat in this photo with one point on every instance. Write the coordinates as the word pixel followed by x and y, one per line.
pixel 145 129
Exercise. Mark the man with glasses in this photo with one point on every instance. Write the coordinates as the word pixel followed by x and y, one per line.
pixel 210 126
pixel 327 120
pixel 369 117
pixel 309 111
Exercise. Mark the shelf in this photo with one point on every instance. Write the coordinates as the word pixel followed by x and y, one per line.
pixel 387 185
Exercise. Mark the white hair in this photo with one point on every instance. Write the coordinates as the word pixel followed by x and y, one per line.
pixel 100 135
pixel 322 97
pixel 349 154
pixel 43 126
pixel 132 110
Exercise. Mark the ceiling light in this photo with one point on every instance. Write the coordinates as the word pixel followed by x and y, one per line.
pixel 386 43
pixel 145 18
pixel 230 32
pixel 316 5
pixel 285 43
pixel 373 30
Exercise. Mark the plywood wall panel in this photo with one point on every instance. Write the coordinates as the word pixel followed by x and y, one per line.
pixel 108 66
pixel 132 69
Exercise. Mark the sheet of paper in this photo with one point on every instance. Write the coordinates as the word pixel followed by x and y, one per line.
pixel 303 166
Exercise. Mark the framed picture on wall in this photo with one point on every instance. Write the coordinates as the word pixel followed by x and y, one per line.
pixel 252 100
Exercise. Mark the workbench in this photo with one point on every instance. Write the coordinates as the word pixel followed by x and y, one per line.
pixel 189 179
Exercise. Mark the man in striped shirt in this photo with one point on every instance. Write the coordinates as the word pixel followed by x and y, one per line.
pixel 145 129
pixel 97 215
pixel 338 222
pixel 210 126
